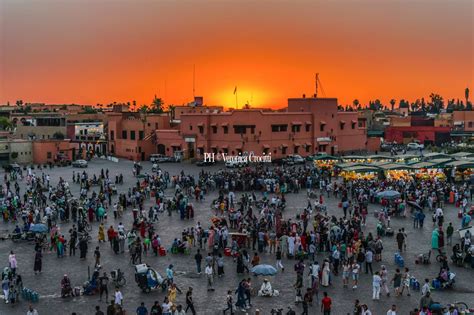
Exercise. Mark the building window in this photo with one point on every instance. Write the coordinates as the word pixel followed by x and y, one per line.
pixel 307 148
pixel 308 128
pixel 140 135
pixel 469 124
pixel 353 125
pixel 240 129
pixel 124 134
pixel 226 129
pixel 283 150
pixel 295 150
pixel 190 127
pixel 214 129
pixel 201 129
pixel 361 124
pixel 342 126
pixel 132 135
pixel 295 128
pixel 321 127
pixel 149 124
pixel 279 128
pixel 266 150
pixel 156 125
pixel 226 151
pixel 48 155
pixel 112 135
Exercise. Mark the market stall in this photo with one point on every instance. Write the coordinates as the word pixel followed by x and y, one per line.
pixel 427 170
pixel 461 170
pixel 397 171
pixel 325 162
pixel 366 172
pixel 407 158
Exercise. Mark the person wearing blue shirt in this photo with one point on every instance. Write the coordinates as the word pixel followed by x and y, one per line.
pixel 142 310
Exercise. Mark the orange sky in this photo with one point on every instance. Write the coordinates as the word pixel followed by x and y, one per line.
pixel 100 51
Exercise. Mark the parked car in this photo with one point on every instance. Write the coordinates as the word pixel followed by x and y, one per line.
pixel 205 163
pixel 79 163
pixel 296 159
pixel 415 146
pixel 159 158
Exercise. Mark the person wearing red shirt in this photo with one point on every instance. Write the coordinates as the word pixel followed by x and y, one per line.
pixel 326 304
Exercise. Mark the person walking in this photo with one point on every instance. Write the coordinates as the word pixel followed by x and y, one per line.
pixel 209 274
pixel 12 261
pixel 376 284
pixel 400 239
pixel 326 304
pixel 118 297
pixel 406 282
pixel 369 256
pixel 384 275
pixel 103 287
pixel 142 310
pixel 98 311
pixel 189 301
pixel 278 255
pixel 229 302
pixel 198 259
pixel 38 262
pixel 32 311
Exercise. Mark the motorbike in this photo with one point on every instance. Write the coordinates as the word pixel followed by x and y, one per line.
pixel 118 278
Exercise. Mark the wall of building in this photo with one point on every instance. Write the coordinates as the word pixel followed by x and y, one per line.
pixel 128 122
pixel 464 119
pixel 420 133
pixel 40 133
pixel 24 149
pixel 308 126
pixel 46 151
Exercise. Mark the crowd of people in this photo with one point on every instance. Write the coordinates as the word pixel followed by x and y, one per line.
pixel 248 220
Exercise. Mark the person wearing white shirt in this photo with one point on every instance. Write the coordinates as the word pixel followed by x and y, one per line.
pixel 376 284
pixel 392 310
pixel 32 311
pixel 426 287
pixel 209 273
pixel 365 310
pixel 118 297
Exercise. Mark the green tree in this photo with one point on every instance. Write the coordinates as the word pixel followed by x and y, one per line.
pixel 392 103
pixel 5 123
pixel 466 94
pixel 58 135
pixel 156 106
pixel 436 103
pixel 356 103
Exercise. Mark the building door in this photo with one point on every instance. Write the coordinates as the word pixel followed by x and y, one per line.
pixel 143 156
pixel 191 150
pixel 161 149
pixel 332 150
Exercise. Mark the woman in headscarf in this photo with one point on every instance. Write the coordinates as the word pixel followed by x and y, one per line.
pixel 38 262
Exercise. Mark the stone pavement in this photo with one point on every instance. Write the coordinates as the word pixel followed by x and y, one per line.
pixel 48 283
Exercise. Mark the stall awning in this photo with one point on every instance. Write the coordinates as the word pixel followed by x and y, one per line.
pixel 297 144
pixel 461 164
pixel 266 146
pixel 308 122
pixel 225 124
pixel 354 121
pixel 322 122
pixel 200 124
pixel 213 125
pixel 458 123
pixel 325 157
pixel 308 144
pixel 284 145
pixel 342 121
pixel 296 123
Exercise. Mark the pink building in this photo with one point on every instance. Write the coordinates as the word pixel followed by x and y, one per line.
pixel 308 126
pixel 131 135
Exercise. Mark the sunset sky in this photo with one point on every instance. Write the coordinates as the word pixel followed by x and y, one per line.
pixel 100 51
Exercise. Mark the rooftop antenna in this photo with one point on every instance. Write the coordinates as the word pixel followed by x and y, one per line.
pixel 318 84
pixel 194 80
pixel 316 79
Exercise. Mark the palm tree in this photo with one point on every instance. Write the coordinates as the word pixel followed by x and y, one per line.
pixel 392 102
pixel 356 103
pixel 172 111
pixel 157 105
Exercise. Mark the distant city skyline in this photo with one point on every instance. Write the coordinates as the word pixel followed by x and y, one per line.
pixel 89 52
